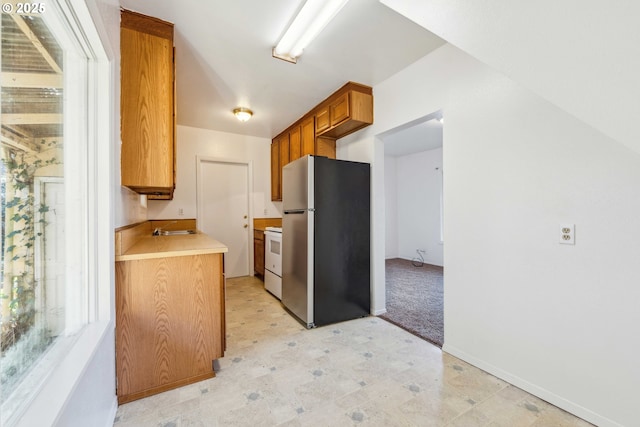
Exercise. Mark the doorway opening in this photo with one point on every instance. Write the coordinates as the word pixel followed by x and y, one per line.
pixel 414 246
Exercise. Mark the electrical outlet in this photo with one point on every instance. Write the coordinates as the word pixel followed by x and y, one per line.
pixel 567 234
pixel 265 211
pixel 180 211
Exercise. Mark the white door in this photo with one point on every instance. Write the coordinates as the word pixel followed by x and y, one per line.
pixel 223 210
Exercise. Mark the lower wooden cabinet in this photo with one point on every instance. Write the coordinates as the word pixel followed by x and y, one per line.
pixel 258 252
pixel 170 322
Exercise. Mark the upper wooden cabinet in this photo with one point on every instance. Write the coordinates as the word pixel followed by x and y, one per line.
pixel 295 147
pixel 347 110
pixel 308 136
pixel 276 171
pixel 147 105
pixel 323 122
pixel 346 113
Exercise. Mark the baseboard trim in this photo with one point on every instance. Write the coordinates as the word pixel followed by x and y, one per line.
pixel 379 312
pixel 113 412
pixel 529 387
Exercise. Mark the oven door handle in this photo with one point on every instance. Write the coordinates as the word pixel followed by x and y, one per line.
pixel 296 212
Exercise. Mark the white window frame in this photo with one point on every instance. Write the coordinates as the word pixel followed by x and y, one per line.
pixel 58 373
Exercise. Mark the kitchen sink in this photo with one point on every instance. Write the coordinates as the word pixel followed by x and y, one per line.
pixel 174 232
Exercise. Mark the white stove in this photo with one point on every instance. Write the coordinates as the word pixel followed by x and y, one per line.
pixel 273 261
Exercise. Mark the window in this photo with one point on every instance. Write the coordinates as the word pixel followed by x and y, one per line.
pixel 47 286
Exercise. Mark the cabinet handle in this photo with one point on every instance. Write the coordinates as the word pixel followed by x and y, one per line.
pixel 246 225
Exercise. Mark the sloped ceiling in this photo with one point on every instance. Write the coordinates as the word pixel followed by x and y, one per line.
pixel 223 55
pixel 581 56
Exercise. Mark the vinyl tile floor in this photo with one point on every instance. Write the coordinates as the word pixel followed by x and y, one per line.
pixel 364 372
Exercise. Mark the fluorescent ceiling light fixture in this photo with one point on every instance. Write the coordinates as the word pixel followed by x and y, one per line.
pixel 312 18
pixel 242 114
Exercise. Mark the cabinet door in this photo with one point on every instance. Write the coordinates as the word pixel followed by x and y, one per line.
pixel 339 109
pixel 284 149
pixel 159 303
pixel 147 107
pixel 308 136
pixel 275 170
pixel 326 147
pixel 294 143
pixel 258 256
pixel 284 159
pixel 322 120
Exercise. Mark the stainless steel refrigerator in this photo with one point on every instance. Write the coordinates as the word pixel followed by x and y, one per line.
pixel 326 240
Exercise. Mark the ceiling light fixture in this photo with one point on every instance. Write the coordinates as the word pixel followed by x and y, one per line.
pixel 312 18
pixel 242 114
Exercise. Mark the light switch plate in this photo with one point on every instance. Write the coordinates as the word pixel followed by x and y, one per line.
pixel 567 234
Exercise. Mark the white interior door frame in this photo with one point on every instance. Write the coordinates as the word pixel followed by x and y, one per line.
pixel 200 196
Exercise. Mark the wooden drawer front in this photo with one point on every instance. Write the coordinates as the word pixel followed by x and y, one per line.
pixel 322 120
pixel 340 110
pixel 258 234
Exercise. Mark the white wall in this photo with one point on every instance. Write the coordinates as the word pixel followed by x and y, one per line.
pixel 418 205
pixel 194 142
pixel 581 55
pixel 391 207
pixel 559 321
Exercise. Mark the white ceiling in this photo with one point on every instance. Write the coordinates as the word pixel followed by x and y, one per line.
pixel 223 58
pixel 413 138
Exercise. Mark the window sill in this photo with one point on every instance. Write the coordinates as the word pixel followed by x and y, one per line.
pixel 49 401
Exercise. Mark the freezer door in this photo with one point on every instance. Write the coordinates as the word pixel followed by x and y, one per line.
pixel 297 184
pixel 297 267
pixel 342 245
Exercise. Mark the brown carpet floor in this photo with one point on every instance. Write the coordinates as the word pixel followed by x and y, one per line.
pixel 415 299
